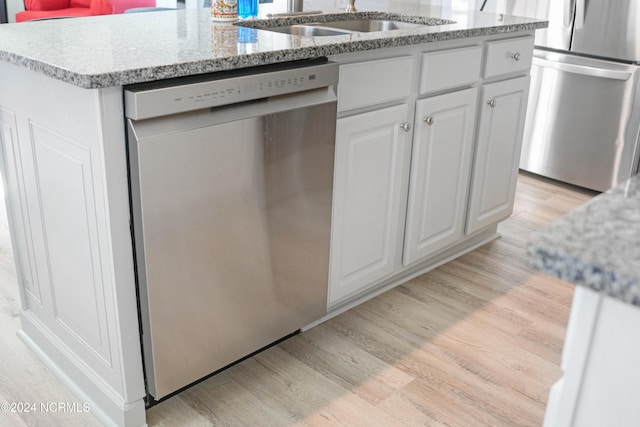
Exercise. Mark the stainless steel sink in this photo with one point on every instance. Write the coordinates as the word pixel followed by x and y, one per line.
pixel 369 25
pixel 307 30
pixel 342 27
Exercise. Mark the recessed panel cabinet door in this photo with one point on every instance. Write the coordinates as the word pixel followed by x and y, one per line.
pixel 370 186
pixel 495 170
pixel 440 164
pixel 17 211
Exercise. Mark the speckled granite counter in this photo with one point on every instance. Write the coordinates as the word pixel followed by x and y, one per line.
pixel 597 245
pixel 116 50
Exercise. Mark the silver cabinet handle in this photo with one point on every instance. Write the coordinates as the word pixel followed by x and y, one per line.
pixel 405 126
pixel 516 56
pixel 428 120
pixel 492 103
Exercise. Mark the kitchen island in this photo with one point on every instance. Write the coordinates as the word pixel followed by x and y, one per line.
pixel 65 161
pixel 597 247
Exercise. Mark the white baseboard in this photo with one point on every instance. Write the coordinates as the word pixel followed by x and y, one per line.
pixel 479 239
pixel 104 403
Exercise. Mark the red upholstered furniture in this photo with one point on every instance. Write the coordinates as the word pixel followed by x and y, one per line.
pixel 47 9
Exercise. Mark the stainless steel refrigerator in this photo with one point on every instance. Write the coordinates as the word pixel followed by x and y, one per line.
pixel 583 117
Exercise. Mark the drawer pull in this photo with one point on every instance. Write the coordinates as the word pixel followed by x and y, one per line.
pixel 428 120
pixel 516 56
pixel 492 103
pixel 405 126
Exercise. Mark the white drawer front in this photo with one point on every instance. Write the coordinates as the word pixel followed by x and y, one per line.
pixel 508 56
pixel 374 82
pixel 448 69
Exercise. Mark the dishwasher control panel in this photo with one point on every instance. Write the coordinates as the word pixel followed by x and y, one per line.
pixel 154 100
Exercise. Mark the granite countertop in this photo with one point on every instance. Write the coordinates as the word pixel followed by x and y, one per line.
pixel 597 245
pixel 116 50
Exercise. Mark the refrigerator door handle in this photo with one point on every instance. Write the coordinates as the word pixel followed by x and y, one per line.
pixel 583 69
pixel 569 6
pixel 580 10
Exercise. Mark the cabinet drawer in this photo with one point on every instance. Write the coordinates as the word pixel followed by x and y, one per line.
pixel 447 69
pixel 508 56
pixel 374 82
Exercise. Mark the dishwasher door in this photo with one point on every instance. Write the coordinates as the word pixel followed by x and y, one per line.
pixel 232 212
pixel 582 120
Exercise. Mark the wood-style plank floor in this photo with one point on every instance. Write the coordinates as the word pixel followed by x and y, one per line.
pixel 475 342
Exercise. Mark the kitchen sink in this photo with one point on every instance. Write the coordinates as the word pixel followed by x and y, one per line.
pixel 369 25
pixel 307 30
pixel 342 27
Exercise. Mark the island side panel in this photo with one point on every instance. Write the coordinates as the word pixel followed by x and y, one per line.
pixel 601 377
pixel 65 166
pixel 611 377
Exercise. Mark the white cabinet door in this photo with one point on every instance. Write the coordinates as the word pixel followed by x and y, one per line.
pixel 497 154
pixel 440 164
pixel 370 186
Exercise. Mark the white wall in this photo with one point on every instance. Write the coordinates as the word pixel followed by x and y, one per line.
pixel 14 6
pixel 496 6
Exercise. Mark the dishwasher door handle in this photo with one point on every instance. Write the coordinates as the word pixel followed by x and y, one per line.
pixel 150 128
pixel 584 70
pixel 157 99
pixel 267 106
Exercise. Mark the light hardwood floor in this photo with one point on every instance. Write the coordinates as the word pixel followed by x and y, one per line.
pixel 475 342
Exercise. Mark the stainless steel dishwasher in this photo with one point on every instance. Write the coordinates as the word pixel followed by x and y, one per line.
pixel 231 186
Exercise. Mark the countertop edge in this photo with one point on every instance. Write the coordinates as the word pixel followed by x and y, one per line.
pixel 141 75
pixel 597 245
pixel 571 269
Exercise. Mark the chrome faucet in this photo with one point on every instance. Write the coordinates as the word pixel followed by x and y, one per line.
pixel 294 6
pixel 351 7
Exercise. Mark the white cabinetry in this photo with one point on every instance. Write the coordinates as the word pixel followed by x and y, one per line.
pixel 371 153
pixel 444 70
pixel 495 171
pixel 508 57
pixel 405 202
pixel 369 83
pixel 440 164
pixel 373 149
